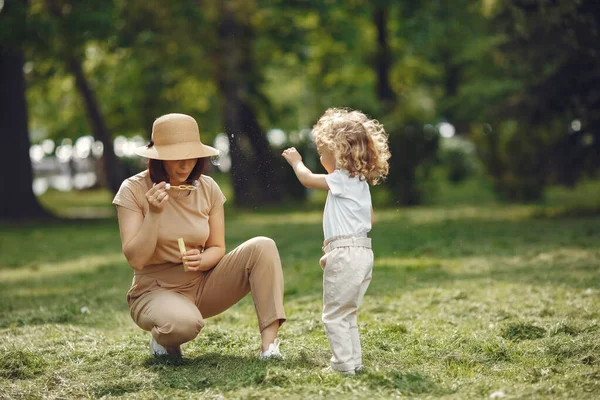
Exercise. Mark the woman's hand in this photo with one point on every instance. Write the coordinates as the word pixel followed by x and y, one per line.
pixel 291 155
pixel 192 259
pixel 157 197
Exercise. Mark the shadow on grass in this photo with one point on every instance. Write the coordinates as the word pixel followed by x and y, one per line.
pixel 233 372
pixel 558 213
pixel 388 279
pixel 480 237
pixel 226 372
pixel 532 251
pixel 407 382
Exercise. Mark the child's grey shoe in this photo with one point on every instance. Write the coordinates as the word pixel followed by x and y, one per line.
pixel 272 353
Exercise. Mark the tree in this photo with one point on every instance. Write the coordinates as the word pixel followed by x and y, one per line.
pixel 551 133
pixel 70 50
pixel 412 145
pixel 18 201
pixel 383 57
pixel 166 42
pixel 254 176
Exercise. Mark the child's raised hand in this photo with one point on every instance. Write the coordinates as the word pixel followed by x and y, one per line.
pixel 291 155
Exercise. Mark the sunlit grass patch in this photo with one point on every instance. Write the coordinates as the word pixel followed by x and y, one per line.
pixel 428 215
pixel 407 263
pixel 63 203
pixel 294 218
pixel 43 271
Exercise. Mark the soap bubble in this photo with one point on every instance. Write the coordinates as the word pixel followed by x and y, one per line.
pixel 216 160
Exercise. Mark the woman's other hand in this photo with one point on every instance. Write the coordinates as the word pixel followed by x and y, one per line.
pixel 157 197
pixel 192 259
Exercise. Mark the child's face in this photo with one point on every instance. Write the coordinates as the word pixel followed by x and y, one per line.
pixel 327 159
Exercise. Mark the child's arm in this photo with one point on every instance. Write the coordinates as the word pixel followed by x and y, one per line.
pixel 304 175
pixel 372 217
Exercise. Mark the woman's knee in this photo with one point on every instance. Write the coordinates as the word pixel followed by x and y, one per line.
pixel 264 243
pixel 179 330
pixel 263 248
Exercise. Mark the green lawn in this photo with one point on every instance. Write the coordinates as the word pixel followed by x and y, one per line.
pixel 474 300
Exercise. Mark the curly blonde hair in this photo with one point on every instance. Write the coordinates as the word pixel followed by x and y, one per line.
pixel 359 144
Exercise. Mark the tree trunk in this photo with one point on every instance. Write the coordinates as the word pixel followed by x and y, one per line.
pixel 252 169
pixel 113 169
pixel 18 202
pixel 383 60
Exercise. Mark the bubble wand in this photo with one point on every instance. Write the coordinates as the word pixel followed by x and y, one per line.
pixel 193 186
pixel 168 186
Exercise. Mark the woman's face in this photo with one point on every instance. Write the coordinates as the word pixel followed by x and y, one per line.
pixel 179 170
pixel 327 159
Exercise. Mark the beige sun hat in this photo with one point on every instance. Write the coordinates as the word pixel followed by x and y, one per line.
pixel 175 137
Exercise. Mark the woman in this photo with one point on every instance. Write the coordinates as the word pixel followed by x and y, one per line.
pixel 171 294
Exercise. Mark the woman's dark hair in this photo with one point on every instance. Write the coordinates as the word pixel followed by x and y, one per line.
pixel 158 172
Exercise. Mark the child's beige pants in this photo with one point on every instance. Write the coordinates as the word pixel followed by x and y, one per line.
pixel 348 267
pixel 172 303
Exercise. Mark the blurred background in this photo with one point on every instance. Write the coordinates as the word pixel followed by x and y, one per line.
pixel 483 100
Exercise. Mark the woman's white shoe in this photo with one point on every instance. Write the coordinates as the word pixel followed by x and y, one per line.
pixel 272 352
pixel 156 349
pixel 159 350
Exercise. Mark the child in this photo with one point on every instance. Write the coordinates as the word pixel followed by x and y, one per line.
pixel 354 151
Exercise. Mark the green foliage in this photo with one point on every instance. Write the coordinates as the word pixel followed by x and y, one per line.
pixel 135 65
pixel 550 49
pixel 518 158
pixel 13 29
pixel 413 147
pixel 458 158
pixel 533 65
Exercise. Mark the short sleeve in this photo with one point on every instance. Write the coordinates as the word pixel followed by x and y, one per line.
pixel 335 181
pixel 126 197
pixel 217 198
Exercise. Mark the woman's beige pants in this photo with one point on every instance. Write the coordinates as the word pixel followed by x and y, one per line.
pixel 348 267
pixel 173 304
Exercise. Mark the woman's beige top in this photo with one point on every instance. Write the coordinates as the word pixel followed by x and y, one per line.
pixel 182 217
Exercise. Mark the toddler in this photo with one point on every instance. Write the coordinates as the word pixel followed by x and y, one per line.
pixel 354 152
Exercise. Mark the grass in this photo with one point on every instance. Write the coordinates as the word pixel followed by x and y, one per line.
pixel 469 301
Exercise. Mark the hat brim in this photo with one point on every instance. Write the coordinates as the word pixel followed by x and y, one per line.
pixel 178 151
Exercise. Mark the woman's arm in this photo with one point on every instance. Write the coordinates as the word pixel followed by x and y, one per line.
pixel 214 249
pixel 139 233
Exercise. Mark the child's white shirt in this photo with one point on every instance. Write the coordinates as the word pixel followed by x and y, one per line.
pixel 348 205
